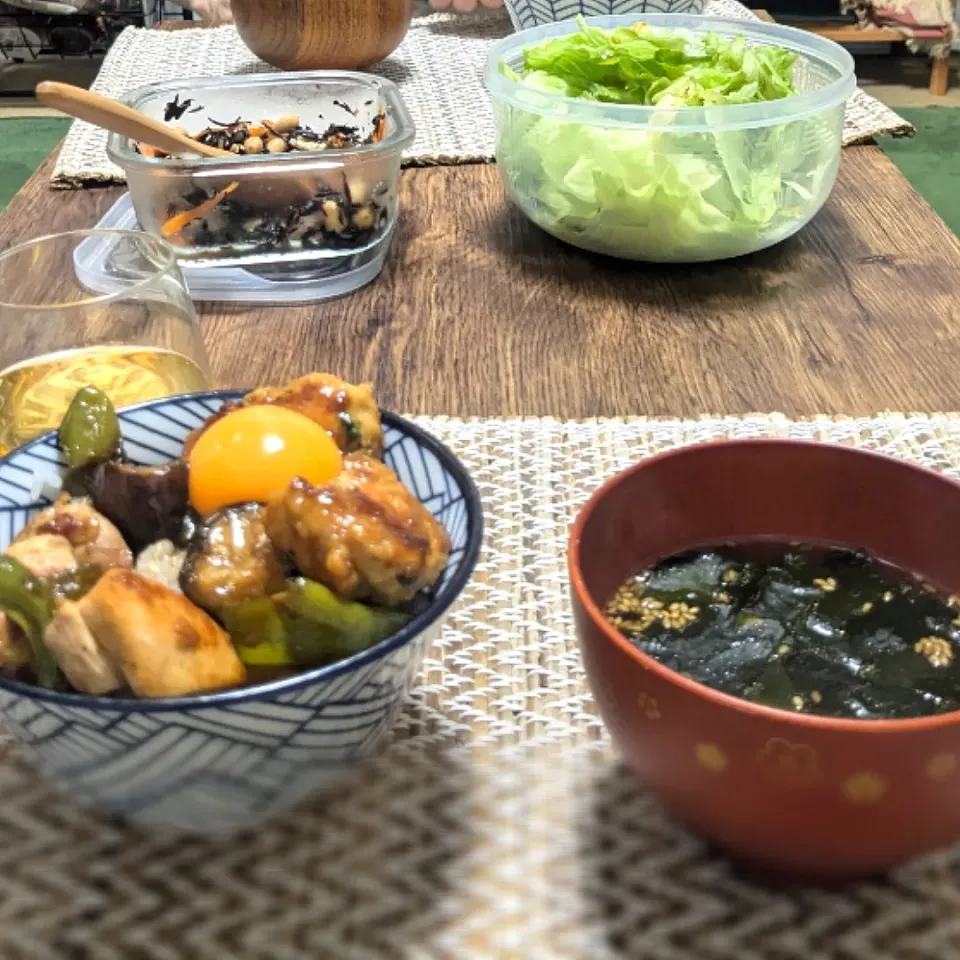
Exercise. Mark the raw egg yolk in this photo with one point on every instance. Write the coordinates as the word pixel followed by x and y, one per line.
pixel 254 452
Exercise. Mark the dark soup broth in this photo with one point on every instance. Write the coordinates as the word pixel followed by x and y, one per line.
pixel 807 629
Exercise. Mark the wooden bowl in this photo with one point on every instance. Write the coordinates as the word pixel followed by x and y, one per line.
pixel 322 34
pixel 814 797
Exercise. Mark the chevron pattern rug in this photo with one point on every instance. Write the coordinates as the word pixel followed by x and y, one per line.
pixel 497 823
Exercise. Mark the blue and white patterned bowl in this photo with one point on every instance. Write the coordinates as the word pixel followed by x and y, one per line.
pixel 536 13
pixel 220 762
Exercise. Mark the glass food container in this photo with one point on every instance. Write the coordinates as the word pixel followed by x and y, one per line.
pixel 313 212
pixel 672 183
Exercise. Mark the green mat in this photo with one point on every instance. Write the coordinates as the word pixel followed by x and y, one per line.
pixel 25 144
pixel 928 160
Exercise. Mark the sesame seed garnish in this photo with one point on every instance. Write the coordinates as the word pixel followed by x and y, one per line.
pixel 679 615
pixel 937 650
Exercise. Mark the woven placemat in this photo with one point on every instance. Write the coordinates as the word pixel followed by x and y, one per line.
pixel 497 824
pixel 439 68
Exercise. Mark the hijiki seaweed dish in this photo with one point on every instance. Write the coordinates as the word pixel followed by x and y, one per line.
pixel 279 541
pixel 222 219
pixel 801 628
pixel 283 135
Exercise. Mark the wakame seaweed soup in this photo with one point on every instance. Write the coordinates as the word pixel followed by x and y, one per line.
pixel 806 629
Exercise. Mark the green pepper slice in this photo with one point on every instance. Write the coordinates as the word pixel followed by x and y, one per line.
pixel 90 431
pixel 355 625
pixel 258 633
pixel 28 601
pixel 306 626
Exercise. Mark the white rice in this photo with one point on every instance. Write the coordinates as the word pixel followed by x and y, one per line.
pixel 162 561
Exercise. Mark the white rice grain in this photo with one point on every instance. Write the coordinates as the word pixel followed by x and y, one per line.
pixel 162 561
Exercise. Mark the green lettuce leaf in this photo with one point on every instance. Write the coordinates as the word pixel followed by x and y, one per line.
pixel 644 66
pixel 664 194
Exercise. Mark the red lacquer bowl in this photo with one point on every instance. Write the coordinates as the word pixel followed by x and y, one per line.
pixel 795 793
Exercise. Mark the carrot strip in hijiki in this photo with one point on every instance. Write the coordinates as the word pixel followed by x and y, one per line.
pixel 178 221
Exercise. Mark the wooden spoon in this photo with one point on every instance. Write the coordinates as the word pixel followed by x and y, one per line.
pixel 264 192
pixel 118 117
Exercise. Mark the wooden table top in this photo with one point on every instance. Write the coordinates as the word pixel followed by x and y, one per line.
pixel 480 313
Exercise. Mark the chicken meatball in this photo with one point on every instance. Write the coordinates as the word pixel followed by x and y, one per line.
pixel 79 655
pixel 156 638
pixel 44 554
pixel 346 411
pixel 94 539
pixel 232 559
pixel 364 535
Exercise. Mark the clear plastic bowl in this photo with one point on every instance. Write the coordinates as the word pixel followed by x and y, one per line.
pixel 251 226
pixel 673 184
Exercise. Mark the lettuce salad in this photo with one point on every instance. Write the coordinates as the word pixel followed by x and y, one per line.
pixel 670 195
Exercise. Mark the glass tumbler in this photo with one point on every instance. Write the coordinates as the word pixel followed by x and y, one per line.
pixel 106 308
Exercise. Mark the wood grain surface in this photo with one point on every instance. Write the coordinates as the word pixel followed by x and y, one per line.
pixel 480 313
pixel 322 34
